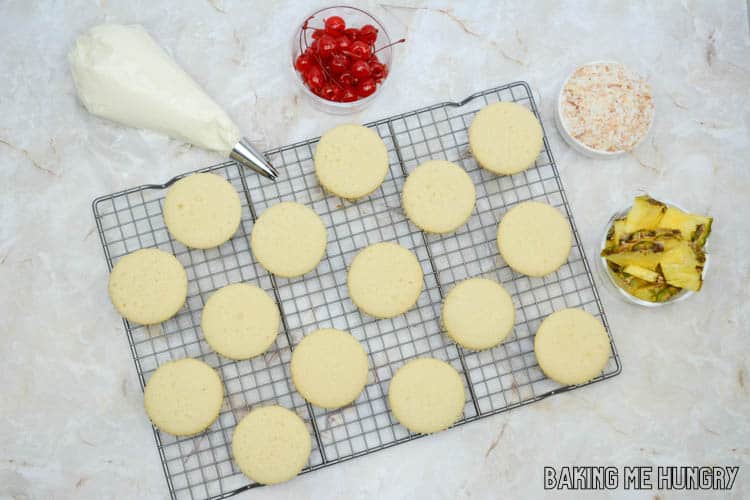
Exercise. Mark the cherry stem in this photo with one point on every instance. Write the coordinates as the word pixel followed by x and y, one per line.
pixel 390 45
pixel 302 36
pixel 329 78
pixel 304 25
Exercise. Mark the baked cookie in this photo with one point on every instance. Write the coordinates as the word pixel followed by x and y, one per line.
pixel 385 280
pixel 438 196
pixel 478 313
pixel 183 397
pixel 505 138
pixel 534 238
pixel 202 210
pixel 148 286
pixel 329 368
pixel 240 321
pixel 351 161
pixel 427 395
pixel 271 445
pixel 289 239
pixel 571 346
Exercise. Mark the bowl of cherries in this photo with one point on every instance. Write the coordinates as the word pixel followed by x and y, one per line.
pixel 342 57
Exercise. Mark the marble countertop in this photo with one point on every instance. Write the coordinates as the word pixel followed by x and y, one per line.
pixel 71 410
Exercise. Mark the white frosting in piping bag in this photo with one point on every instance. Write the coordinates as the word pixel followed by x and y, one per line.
pixel 122 74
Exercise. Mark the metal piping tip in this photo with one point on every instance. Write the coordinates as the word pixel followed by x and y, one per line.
pixel 245 154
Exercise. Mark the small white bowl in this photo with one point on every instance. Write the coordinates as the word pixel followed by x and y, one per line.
pixel 574 143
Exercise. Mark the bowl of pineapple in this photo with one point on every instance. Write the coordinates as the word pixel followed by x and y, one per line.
pixel 654 252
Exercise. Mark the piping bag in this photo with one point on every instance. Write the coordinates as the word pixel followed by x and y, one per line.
pixel 123 75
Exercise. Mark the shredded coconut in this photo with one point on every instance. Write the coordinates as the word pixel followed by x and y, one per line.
pixel 607 107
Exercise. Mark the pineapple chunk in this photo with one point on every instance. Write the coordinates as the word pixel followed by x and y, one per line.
pixel 693 227
pixel 701 233
pixel 652 292
pixel 646 213
pixel 681 268
pixel 646 257
pixel 667 238
pixel 619 231
pixel 615 234
pixel 642 273
pixel 656 292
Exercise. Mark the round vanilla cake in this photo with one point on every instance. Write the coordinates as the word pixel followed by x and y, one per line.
pixel 505 138
pixel 534 238
pixel 438 196
pixel 427 395
pixel 385 280
pixel 271 444
pixel 183 397
pixel 329 368
pixel 571 346
pixel 202 210
pixel 289 239
pixel 148 286
pixel 351 161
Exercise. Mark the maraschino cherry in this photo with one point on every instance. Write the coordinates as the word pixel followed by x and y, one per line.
pixel 366 88
pixel 335 25
pixel 360 70
pixel 360 49
pixel 368 33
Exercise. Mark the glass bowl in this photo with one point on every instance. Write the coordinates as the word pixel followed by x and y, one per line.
pixel 607 277
pixel 354 17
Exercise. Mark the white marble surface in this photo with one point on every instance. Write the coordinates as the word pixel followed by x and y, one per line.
pixel 71 411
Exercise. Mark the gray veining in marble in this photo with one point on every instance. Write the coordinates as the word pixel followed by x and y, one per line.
pixel 73 425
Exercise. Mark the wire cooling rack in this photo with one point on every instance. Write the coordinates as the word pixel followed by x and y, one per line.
pixel 496 380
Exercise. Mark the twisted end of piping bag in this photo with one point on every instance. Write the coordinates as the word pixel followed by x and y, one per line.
pixel 245 154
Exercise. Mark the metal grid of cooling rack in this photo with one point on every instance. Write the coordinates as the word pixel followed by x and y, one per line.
pixel 496 380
